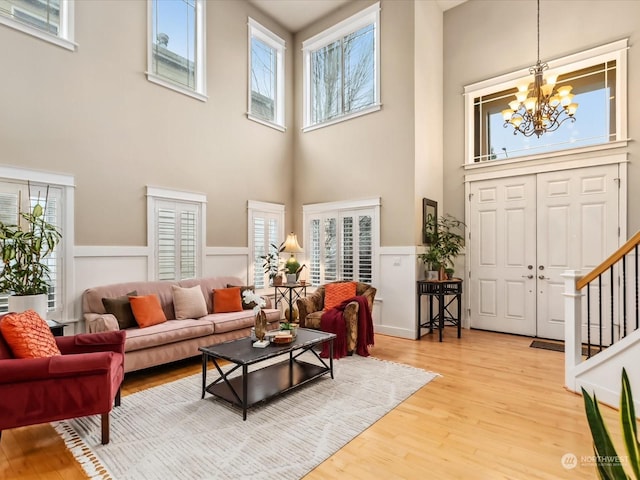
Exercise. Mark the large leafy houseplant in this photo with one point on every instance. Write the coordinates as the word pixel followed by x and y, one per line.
pixel 608 462
pixel 24 247
pixel 445 236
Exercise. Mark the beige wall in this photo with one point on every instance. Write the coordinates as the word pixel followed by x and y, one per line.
pixel 93 114
pixel 486 38
pixel 372 155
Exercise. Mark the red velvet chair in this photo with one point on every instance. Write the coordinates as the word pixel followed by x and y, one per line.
pixel 84 380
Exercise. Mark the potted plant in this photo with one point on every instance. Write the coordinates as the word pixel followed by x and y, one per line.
pixel 291 268
pixel 445 236
pixel 271 263
pixel 24 247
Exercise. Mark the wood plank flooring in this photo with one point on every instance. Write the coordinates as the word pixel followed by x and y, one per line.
pixel 499 411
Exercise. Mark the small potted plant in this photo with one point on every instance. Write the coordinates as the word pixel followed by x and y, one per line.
pixel 24 247
pixel 272 262
pixel 445 236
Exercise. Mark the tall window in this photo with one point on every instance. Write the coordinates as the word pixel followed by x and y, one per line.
pixel 266 232
pixel 341 241
pixel 16 198
pixel 49 20
pixel 176 233
pixel 266 76
pixel 598 78
pixel 176 57
pixel 341 70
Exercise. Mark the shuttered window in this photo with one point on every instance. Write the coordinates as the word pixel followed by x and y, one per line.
pixel 341 244
pixel 177 230
pixel 15 198
pixel 266 232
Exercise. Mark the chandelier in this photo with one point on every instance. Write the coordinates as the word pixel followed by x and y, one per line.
pixel 537 108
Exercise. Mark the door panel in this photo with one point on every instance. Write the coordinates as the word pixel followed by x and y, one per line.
pixel 577 216
pixel 502 218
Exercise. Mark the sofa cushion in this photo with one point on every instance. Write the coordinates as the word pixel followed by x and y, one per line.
pixel 188 302
pixel 120 307
pixel 167 332
pixel 336 293
pixel 227 300
pixel 147 310
pixel 245 306
pixel 228 322
pixel 28 335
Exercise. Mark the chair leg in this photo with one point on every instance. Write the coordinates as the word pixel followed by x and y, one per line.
pixel 105 428
pixel 117 400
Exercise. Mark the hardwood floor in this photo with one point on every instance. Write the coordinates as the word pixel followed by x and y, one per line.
pixel 499 411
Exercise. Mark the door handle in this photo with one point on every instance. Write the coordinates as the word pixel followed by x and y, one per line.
pixel 527 276
pixel 541 277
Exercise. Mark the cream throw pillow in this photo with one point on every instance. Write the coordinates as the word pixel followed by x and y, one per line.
pixel 189 302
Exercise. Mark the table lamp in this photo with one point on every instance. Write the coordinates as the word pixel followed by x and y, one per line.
pixel 292 246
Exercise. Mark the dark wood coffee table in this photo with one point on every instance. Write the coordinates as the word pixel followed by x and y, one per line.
pixel 270 381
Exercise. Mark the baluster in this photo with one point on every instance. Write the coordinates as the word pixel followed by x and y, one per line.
pixel 600 311
pixel 611 316
pixel 624 297
pixel 636 254
pixel 588 320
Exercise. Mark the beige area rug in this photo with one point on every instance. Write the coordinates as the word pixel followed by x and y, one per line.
pixel 168 432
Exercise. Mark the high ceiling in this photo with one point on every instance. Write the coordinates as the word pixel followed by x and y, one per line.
pixel 295 15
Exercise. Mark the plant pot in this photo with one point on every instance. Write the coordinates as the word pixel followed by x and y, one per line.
pixel 277 280
pixel 38 303
pixel 291 278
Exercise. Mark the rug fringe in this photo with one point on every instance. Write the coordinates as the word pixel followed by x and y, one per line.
pixel 82 452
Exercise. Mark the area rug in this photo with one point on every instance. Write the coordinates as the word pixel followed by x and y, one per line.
pixel 168 432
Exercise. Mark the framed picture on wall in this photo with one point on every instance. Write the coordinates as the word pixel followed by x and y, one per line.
pixel 429 208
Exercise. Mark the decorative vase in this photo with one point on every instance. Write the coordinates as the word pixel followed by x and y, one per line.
pixel 277 280
pixel 261 325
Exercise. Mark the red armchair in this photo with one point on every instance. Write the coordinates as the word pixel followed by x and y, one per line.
pixel 84 380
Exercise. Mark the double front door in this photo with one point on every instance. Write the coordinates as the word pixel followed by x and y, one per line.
pixel 525 232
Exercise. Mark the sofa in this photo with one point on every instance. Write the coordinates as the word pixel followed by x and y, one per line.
pixel 311 308
pixel 175 339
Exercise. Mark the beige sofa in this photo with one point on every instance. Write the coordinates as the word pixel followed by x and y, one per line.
pixel 174 339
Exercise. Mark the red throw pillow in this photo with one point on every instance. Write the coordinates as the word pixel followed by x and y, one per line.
pixel 227 300
pixel 147 310
pixel 336 293
pixel 28 335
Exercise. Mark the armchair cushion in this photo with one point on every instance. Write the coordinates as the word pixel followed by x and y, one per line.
pixel 28 335
pixel 336 293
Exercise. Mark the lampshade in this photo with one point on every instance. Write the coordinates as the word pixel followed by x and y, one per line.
pixel 291 244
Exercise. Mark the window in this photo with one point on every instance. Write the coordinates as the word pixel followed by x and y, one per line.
pixel 598 78
pixel 176 230
pixel 21 197
pixel 176 53
pixel 341 238
pixel 266 76
pixel 49 20
pixel 266 233
pixel 341 70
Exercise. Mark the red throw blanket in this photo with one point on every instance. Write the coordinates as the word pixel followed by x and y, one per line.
pixel 332 321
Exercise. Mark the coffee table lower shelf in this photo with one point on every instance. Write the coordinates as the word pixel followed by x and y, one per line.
pixel 267 382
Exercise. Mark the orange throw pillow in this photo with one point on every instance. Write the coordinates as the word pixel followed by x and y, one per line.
pixel 147 310
pixel 227 300
pixel 28 335
pixel 336 293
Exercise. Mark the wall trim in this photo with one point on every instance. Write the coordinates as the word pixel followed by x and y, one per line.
pixel 214 251
pixel 84 251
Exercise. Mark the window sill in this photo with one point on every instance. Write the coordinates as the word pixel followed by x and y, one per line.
pixel 34 32
pixel 359 113
pixel 267 123
pixel 176 87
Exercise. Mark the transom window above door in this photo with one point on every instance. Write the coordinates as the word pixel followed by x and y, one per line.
pixel 598 78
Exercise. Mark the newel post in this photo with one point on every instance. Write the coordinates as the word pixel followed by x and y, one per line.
pixel 572 327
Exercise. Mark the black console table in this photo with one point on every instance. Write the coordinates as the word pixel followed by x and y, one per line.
pixel 440 290
pixel 289 292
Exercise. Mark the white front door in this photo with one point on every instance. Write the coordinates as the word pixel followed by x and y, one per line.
pixel 525 232
pixel 577 218
pixel 503 255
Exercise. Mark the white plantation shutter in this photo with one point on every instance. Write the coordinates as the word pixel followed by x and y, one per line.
pixel 266 223
pixel 177 243
pixel 341 244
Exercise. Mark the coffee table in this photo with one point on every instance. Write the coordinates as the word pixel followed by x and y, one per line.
pixel 263 384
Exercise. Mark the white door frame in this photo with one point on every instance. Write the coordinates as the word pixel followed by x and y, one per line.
pixel 494 170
